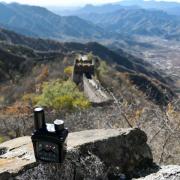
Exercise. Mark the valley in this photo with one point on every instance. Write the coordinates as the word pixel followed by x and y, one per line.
pixel 161 53
pixel 166 57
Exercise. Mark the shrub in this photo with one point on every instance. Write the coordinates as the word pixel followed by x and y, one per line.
pixel 102 69
pixel 2 99
pixel 30 98
pixel 90 56
pixel 1 139
pixel 62 95
pixel 68 71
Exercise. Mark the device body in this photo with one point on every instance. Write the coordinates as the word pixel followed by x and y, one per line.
pixel 49 140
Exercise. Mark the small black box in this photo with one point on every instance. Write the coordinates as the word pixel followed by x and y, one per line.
pixel 49 140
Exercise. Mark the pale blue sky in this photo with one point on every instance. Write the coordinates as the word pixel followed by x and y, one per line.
pixel 66 2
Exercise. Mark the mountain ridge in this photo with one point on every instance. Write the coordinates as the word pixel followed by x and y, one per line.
pixel 138 22
pixel 168 7
pixel 38 21
pixel 32 51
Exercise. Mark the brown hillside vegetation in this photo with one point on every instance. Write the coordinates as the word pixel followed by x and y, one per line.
pixel 32 70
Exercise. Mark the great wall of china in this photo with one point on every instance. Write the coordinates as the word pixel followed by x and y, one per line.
pixel 84 74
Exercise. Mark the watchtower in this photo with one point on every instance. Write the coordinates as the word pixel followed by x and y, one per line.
pixel 82 65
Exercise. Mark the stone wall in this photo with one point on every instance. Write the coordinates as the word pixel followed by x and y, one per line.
pixel 95 92
pixel 106 154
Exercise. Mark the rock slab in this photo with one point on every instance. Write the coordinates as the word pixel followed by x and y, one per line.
pixel 171 172
pixel 91 154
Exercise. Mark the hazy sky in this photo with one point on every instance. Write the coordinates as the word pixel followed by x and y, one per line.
pixel 66 2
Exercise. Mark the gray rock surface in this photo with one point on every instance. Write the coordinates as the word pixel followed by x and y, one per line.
pixel 92 154
pixel 165 173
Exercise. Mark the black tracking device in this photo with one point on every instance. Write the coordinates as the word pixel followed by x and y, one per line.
pixel 49 140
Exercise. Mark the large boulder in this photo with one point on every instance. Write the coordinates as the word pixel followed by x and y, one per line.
pixel 92 154
pixel 171 172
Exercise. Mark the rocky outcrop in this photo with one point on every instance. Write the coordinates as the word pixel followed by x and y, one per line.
pixel 165 173
pixel 94 154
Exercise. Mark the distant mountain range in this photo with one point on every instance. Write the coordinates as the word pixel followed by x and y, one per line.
pixel 137 22
pixel 169 7
pixel 39 22
pixel 110 21
pixel 92 23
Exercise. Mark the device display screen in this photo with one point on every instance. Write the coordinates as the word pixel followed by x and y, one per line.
pixel 47 151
